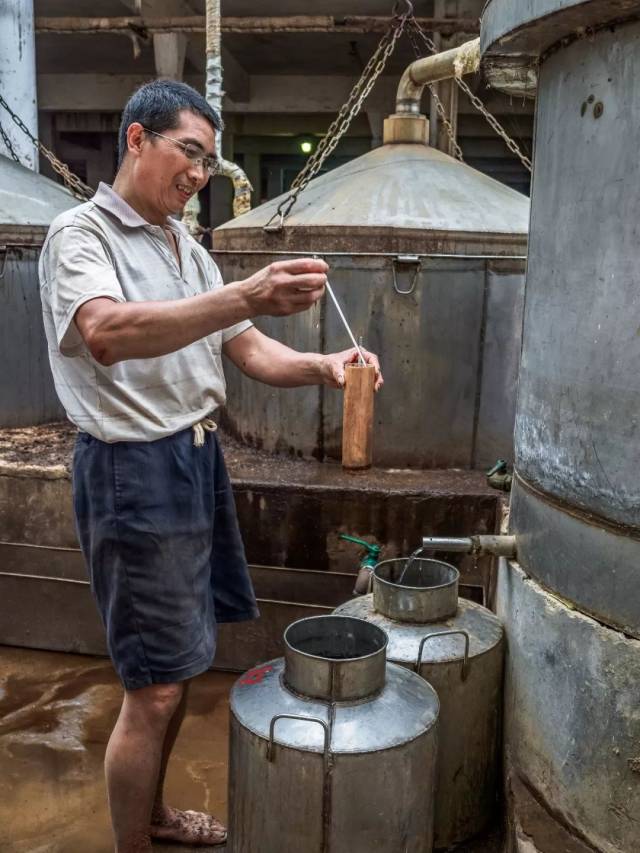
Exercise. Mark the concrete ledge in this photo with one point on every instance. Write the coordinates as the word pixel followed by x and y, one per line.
pixel 572 727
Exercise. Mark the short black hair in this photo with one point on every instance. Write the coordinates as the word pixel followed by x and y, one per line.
pixel 157 105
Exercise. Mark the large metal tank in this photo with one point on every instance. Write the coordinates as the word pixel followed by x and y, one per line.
pixel 427 258
pixel 332 750
pixel 457 646
pixel 572 607
pixel 28 204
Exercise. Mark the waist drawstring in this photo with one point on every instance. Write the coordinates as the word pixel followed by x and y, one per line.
pixel 199 429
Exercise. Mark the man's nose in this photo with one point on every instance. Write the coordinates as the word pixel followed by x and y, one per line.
pixel 197 172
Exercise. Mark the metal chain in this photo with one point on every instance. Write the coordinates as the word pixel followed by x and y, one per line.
pixel 477 103
pixel 495 124
pixel 339 126
pixel 8 144
pixel 440 109
pixel 79 189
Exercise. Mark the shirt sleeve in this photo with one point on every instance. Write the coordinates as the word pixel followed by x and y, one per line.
pixel 79 269
pixel 232 331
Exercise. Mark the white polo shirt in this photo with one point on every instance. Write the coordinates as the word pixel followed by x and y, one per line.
pixel 104 248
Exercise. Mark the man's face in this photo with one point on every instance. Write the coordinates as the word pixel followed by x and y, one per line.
pixel 166 176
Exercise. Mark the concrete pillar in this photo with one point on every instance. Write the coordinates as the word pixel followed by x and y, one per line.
pixel 18 77
pixel 169 50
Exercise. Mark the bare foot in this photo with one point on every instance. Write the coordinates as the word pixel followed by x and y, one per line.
pixel 187 827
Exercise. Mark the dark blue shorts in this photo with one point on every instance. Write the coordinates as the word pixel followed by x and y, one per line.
pixel 158 529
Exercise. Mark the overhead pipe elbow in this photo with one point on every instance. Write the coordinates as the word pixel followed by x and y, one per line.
pixel 456 62
pixel 242 188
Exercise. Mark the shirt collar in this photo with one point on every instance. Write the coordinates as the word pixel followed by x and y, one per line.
pixel 108 199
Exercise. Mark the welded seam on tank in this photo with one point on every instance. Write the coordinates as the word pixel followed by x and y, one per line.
pixel 9 245
pixel 573 607
pixel 327 789
pixel 587 34
pixel 586 516
pixel 368 254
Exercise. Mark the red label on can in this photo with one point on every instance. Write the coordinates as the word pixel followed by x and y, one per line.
pixel 255 676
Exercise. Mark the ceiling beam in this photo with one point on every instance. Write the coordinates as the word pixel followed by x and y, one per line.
pixel 250 25
pixel 284 94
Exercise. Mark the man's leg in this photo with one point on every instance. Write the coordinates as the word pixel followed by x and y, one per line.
pixel 167 748
pixel 172 824
pixel 133 761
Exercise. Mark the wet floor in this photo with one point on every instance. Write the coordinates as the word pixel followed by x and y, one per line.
pixel 56 714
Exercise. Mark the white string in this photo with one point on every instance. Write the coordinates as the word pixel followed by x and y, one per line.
pixel 199 429
pixel 346 325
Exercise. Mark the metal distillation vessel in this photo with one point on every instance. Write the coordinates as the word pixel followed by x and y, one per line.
pixel 332 749
pixel 571 601
pixel 427 258
pixel 28 204
pixel 457 646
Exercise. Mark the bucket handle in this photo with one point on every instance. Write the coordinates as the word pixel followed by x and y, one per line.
pixel 457 632
pixel 272 726
pixel 413 260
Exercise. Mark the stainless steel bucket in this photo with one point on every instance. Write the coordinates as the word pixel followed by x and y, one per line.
pixel 332 750
pixel 457 646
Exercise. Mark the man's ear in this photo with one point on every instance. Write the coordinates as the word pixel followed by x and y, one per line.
pixel 135 138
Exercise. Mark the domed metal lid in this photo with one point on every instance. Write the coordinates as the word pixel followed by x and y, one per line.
pixel 483 628
pixel 394 198
pixel 406 708
pixel 28 201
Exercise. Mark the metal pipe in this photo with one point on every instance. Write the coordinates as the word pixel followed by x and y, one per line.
pixel 456 62
pixel 241 185
pixel 498 546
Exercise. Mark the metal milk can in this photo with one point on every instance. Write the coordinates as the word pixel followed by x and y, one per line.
pixel 457 646
pixel 332 749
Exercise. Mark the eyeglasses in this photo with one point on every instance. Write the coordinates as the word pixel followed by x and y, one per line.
pixel 193 153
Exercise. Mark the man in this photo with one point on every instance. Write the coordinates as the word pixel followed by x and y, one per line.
pixel 136 318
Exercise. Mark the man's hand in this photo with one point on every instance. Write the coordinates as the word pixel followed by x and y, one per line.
pixel 285 287
pixel 333 367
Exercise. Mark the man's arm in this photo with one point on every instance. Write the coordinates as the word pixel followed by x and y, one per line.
pixel 273 363
pixel 115 331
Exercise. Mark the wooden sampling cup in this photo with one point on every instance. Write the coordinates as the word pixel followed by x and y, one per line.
pixel 357 417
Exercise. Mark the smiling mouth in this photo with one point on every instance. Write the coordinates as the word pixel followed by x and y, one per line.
pixel 184 190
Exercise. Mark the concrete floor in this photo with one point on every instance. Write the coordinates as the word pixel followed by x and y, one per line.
pixel 56 713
